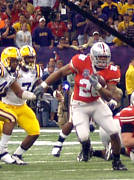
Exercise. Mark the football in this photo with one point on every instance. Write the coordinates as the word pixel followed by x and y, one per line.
pixel 101 80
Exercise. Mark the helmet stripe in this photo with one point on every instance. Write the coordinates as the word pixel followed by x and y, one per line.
pixel 30 53
pixel 103 48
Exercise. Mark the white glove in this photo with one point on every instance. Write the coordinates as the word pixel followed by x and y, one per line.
pixel 112 104
pixel 46 97
pixel 94 82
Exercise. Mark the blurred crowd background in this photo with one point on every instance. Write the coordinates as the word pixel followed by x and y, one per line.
pixel 51 23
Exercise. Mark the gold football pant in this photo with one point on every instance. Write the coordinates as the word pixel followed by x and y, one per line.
pixel 23 115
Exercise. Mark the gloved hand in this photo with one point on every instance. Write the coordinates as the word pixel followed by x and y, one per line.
pixel 39 91
pixel 112 104
pixel 94 82
pixel 47 97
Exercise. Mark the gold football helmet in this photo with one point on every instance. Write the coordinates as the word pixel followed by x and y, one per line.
pixel 8 55
pixel 28 55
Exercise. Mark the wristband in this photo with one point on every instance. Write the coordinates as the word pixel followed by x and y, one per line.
pixel 44 84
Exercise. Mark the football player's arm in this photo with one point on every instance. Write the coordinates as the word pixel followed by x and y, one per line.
pixel 112 95
pixel 116 92
pixel 26 95
pixel 64 71
pixel 111 92
pixel 105 94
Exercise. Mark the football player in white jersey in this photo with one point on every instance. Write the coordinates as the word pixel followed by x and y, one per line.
pixel 10 58
pixel 28 75
pixel 87 103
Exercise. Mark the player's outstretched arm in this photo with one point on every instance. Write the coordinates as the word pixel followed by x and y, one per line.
pixel 26 95
pixel 64 71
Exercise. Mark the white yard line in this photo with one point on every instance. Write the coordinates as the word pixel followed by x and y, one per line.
pixel 49 143
pixel 46 130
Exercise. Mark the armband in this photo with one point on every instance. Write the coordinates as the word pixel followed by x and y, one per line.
pixel 26 95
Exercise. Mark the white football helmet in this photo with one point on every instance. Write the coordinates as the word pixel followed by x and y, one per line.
pixel 100 55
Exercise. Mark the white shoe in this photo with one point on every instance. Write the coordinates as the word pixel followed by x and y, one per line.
pixel 6 157
pixel 56 151
pixel 18 159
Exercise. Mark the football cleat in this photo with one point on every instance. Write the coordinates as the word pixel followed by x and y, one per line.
pixel 18 159
pixel 81 158
pixel 108 153
pixel 117 165
pixel 56 151
pixel 6 157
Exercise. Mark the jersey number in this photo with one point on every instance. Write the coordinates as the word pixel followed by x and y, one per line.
pixel 86 89
pixel 27 85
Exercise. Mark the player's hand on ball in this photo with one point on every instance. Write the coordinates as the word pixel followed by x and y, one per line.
pixel 94 82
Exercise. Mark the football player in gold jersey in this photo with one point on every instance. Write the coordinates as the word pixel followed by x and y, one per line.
pixel 28 75
pixel 10 58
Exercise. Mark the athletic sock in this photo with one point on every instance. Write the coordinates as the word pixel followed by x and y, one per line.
pixel 61 138
pixel 19 151
pixel 4 142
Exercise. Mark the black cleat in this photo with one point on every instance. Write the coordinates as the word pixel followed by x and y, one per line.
pixel 86 158
pixel 81 158
pixel 117 165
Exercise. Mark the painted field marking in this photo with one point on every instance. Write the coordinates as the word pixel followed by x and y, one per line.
pixel 46 130
pixel 51 143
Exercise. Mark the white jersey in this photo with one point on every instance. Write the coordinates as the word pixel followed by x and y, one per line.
pixel 26 80
pixel 6 79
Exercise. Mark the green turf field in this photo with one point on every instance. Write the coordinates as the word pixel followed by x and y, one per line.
pixel 43 166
